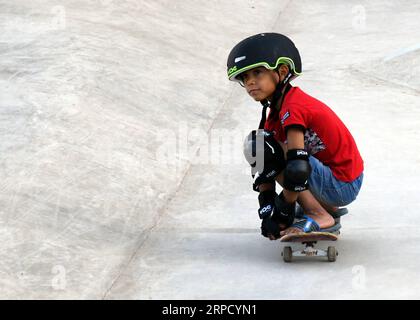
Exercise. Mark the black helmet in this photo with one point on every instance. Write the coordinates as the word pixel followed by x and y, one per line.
pixel 268 50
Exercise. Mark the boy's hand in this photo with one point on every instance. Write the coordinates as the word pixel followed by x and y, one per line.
pixel 266 201
pixel 266 210
pixel 270 229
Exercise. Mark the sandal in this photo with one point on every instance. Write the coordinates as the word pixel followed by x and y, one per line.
pixel 299 213
pixel 306 224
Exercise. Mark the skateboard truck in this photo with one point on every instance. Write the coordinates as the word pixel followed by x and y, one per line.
pixel 309 251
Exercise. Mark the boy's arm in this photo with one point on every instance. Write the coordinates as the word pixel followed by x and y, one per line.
pixel 295 141
pixel 295 138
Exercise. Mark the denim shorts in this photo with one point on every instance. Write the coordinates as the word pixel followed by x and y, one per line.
pixel 328 189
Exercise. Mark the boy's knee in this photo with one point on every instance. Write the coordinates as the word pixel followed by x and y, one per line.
pixel 265 157
pixel 263 152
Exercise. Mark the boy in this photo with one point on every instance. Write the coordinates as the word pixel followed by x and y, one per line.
pixel 302 145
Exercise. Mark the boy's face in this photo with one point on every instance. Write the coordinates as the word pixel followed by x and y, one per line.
pixel 260 83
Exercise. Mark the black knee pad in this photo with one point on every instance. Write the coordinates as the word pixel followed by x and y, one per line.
pixel 263 152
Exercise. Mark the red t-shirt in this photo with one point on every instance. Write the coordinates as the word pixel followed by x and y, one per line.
pixel 326 136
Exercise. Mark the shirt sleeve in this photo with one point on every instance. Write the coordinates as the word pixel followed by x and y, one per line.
pixel 294 115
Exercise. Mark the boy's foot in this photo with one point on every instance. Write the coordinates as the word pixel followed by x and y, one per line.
pixel 323 220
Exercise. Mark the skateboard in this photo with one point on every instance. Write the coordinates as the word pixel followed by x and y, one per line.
pixel 309 240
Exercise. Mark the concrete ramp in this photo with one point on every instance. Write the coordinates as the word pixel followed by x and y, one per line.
pixel 90 92
pixel 401 67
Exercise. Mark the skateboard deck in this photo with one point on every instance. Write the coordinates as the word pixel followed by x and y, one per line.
pixel 309 237
pixel 309 241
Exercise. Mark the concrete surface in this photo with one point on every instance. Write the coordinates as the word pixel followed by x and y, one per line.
pixel 103 108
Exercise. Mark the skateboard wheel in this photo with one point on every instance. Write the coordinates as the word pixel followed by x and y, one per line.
pixel 332 254
pixel 287 254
